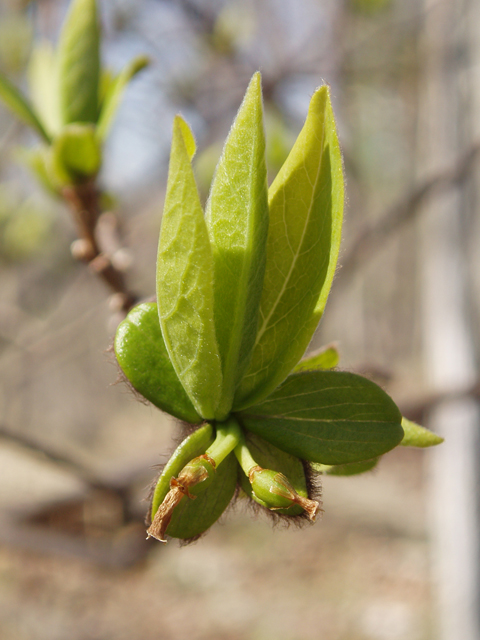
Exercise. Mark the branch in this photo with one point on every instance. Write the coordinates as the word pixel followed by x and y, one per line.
pixel 373 235
pixel 84 203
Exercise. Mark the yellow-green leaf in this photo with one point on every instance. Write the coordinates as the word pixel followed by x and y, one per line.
pixel 306 210
pixel 76 153
pixel 417 436
pixel 20 106
pixel 114 94
pixel 323 358
pixel 79 63
pixel 237 221
pixel 352 469
pixel 43 84
pixel 185 284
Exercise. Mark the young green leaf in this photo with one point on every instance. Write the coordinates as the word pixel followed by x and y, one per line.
pixel 332 417
pixel 270 457
pixel 79 63
pixel 19 105
pixel 76 153
pixel 352 469
pixel 115 93
pixel 323 358
pixel 43 84
pixel 237 221
pixel 306 209
pixel 417 436
pixel 143 357
pixel 185 282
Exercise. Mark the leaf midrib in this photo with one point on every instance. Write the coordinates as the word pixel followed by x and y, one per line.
pixel 264 326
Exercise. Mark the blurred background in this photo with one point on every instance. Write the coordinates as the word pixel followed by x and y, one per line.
pixel 395 556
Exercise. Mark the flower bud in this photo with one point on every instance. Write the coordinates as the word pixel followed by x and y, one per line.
pixel 276 492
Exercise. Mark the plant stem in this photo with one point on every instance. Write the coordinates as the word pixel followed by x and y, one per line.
pixel 229 435
pixel 84 202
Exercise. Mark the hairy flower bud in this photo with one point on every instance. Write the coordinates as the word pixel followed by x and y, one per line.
pixel 276 492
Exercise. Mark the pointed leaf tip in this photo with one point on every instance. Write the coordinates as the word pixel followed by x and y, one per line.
pixel 185 282
pixel 306 210
pixel 237 221
pixel 114 94
pixel 78 58
pixel 21 107
pixel 417 436
pixel 180 125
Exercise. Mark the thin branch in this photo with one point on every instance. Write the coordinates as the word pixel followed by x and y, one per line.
pixel 84 203
pixel 373 235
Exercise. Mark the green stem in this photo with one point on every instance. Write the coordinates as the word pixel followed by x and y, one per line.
pixel 229 434
pixel 244 457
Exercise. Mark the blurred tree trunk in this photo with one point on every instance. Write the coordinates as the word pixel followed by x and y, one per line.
pixel 445 133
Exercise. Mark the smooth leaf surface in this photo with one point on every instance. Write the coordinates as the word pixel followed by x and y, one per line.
pixel 19 105
pixel 144 359
pixel 237 221
pixel 270 457
pixel 43 84
pixel 306 210
pixel 332 417
pixel 194 445
pixel 417 436
pixel 353 469
pixel 114 94
pixel 185 284
pixel 76 152
pixel 78 58
pixel 324 358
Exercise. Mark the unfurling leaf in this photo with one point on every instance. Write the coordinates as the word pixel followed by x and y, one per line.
pixel 20 106
pixel 43 84
pixel 76 153
pixel 306 209
pixel 78 58
pixel 237 221
pixel 185 283
pixel 114 94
